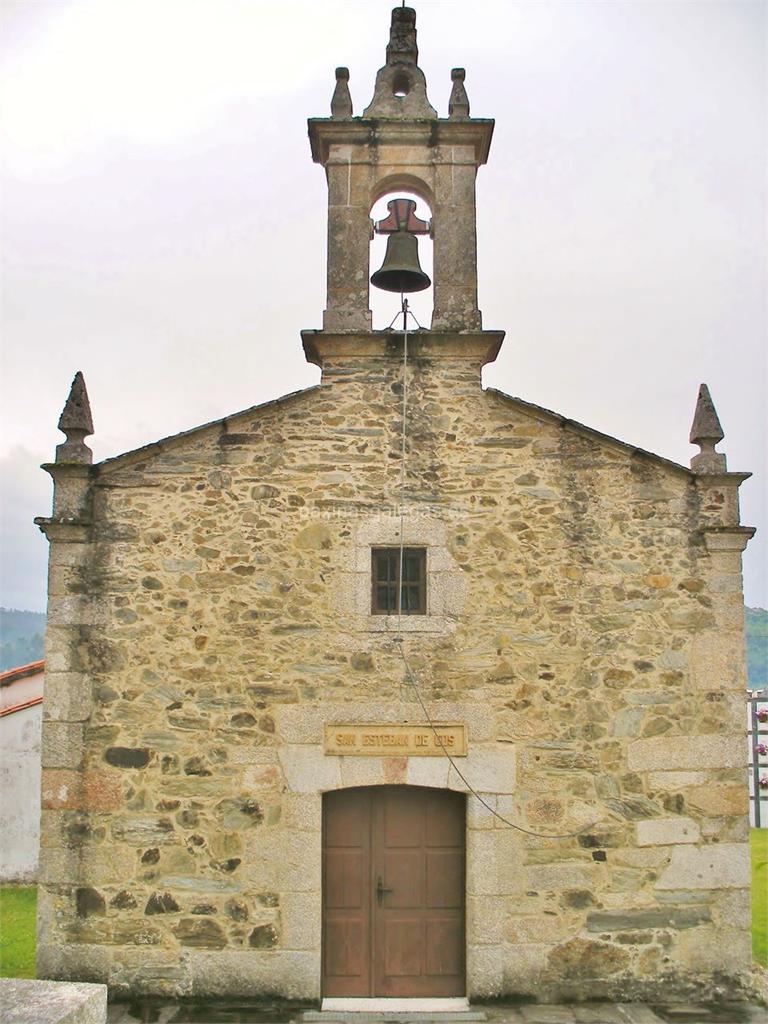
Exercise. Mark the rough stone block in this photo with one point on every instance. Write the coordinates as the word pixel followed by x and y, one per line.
pixel 717 660
pixel 734 909
pixel 57 866
pixel 665 753
pixel 717 866
pixel 523 965
pixel 667 831
pixel 62 745
pixel 301 917
pixel 485 921
pixel 428 771
pixel 295 974
pixel 718 801
pixel 307 769
pixel 52 1002
pixel 565 875
pixel 485 971
pixel 488 770
pixel 61 789
pixel 67 697
pixel 302 811
pixel 673 781
pixel 650 917
pixel 482 864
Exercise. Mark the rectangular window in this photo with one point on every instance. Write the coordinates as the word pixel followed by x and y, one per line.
pixel 385 575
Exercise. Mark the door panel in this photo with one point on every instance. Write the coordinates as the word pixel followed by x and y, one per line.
pixel 346 893
pixel 393 892
pixel 403 943
pixel 403 871
pixel 444 948
pixel 445 879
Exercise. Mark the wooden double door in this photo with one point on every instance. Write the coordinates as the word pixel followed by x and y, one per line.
pixel 393 892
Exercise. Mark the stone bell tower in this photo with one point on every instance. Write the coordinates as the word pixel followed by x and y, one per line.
pixel 398 144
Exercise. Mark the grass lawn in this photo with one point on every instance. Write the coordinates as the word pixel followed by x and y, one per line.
pixel 759 844
pixel 18 904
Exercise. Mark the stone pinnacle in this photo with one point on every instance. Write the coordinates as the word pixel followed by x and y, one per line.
pixel 76 422
pixel 706 425
pixel 706 432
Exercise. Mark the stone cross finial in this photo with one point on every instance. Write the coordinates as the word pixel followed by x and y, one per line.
pixel 458 104
pixel 706 432
pixel 402 48
pixel 341 102
pixel 76 422
pixel 401 89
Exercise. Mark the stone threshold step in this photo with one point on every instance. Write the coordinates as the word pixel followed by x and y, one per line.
pixel 391 1016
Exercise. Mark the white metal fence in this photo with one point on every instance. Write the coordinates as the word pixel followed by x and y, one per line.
pixel 757 767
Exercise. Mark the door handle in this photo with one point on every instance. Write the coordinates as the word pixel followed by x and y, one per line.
pixel 381 890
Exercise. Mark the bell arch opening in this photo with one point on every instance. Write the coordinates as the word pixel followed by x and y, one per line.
pixel 385 305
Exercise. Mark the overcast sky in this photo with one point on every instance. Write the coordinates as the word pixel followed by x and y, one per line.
pixel 164 226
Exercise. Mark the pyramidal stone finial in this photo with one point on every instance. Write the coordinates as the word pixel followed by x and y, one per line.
pixel 706 432
pixel 76 422
pixel 341 102
pixel 458 104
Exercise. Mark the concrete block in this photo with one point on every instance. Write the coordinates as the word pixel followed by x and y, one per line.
pixel 26 1001
pixel 718 866
pixel 667 831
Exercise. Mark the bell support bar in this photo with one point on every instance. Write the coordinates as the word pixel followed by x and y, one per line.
pixel 402 217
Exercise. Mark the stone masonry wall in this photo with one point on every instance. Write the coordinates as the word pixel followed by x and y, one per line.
pixel 210 621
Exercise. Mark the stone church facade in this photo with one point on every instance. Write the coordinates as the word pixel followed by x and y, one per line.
pixel 238 770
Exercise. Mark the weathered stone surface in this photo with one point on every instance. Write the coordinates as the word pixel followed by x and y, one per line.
pixel 89 903
pixel 721 866
pixel 717 801
pixel 263 936
pixel 576 599
pixel 127 757
pixel 584 958
pixel 52 1002
pixel 675 752
pixel 651 917
pixel 667 831
pixel 161 903
pixel 143 831
pixel 200 932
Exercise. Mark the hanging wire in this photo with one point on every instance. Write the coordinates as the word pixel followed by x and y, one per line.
pixel 399 640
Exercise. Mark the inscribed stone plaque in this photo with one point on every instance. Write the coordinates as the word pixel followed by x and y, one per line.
pixel 393 740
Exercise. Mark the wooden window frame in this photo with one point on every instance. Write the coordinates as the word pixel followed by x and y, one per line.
pixel 422 580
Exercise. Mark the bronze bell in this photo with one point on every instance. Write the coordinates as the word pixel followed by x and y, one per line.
pixel 401 271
